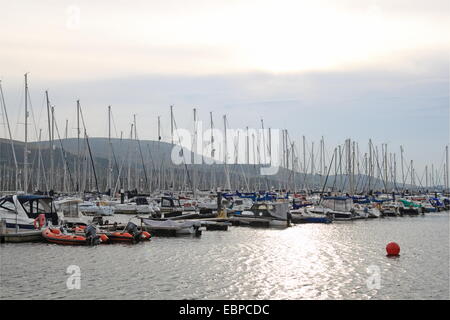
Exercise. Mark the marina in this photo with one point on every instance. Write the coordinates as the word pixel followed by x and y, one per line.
pixel 224 150
pixel 138 209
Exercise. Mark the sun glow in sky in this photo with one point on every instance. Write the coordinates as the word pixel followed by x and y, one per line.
pixel 83 38
pixel 318 63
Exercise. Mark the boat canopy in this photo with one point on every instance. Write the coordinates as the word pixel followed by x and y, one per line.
pixel 338 203
pixel 26 198
pixel 278 210
pixel 31 205
pixel 409 203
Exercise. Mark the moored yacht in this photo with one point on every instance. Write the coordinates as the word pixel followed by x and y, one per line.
pixel 20 211
pixel 265 214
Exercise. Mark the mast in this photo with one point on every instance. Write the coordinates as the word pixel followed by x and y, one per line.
pixel 293 167
pixel 312 162
pixel 353 169
pixel 385 166
pixel 227 176
pixel 171 134
pixel 194 149
pixel 432 176
pixel 38 183
pixel 305 169
pixel 129 162
pixel 213 183
pixel 25 157
pixel 65 182
pixel 247 147
pixel 159 145
pixel 10 139
pixel 320 161
pixel 395 172
pixel 109 183
pixel 340 168
pixel 142 157
pixel 403 171
pixel 78 160
pixel 370 165
pixel 50 118
pixel 446 169
pixel 264 140
pixel 52 160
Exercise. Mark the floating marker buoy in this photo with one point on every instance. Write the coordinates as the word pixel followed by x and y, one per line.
pixel 392 249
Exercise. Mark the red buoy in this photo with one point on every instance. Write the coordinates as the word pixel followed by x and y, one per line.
pixel 392 249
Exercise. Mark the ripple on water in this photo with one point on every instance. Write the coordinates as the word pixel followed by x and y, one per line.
pixel 301 262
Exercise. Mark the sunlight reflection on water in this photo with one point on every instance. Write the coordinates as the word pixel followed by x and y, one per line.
pixel 302 262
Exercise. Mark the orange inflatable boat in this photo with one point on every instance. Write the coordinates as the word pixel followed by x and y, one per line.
pixel 130 234
pixel 54 235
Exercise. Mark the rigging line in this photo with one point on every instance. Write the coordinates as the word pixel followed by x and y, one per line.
pixel 124 158
pixel 64 154
pixel 19 115
pixel 142 157
pixel 182 152
pixel 43 105
pixel 89 149
pixel 5 115
pixel 326 179
pixel 381 171
pixel 32 114
pixel 114 125
pixel 240 164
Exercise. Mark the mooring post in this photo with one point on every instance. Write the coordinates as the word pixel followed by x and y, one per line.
pixel 2 230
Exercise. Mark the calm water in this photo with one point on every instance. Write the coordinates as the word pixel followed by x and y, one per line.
pixel 301 262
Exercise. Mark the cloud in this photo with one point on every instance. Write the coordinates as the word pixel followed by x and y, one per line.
pixel 362 69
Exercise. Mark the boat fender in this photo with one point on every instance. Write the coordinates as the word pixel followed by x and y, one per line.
pixel 104 238
pixel 39 222
pixel 146 235
pixel 55 231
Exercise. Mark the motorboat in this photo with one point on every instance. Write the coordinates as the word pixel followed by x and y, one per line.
pixel 97 208
pixel 389 209
pixel 138 205
pixel 264 214
pixel 130 234
pixel 409 208
pixel 21 211
pixel 168 207
pixel 64 237
pixel 302 215
pixel 340 207
pixel 167 227
pixel 70 214
pixel 239 205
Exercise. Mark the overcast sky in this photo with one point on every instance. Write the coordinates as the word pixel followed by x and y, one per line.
pixel 349 68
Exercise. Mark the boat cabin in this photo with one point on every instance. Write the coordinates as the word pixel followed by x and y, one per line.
pixel 343 204
pixel 272 210
pixel 31 205
pixel 141 201
pixel 168 202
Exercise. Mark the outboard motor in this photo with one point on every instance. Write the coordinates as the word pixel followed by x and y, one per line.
pixel 91 235
pixel 132 229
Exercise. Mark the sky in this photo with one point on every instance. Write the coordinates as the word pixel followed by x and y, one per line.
pixel 359 69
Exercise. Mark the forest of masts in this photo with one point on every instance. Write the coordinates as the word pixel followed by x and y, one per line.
pixel 304 166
